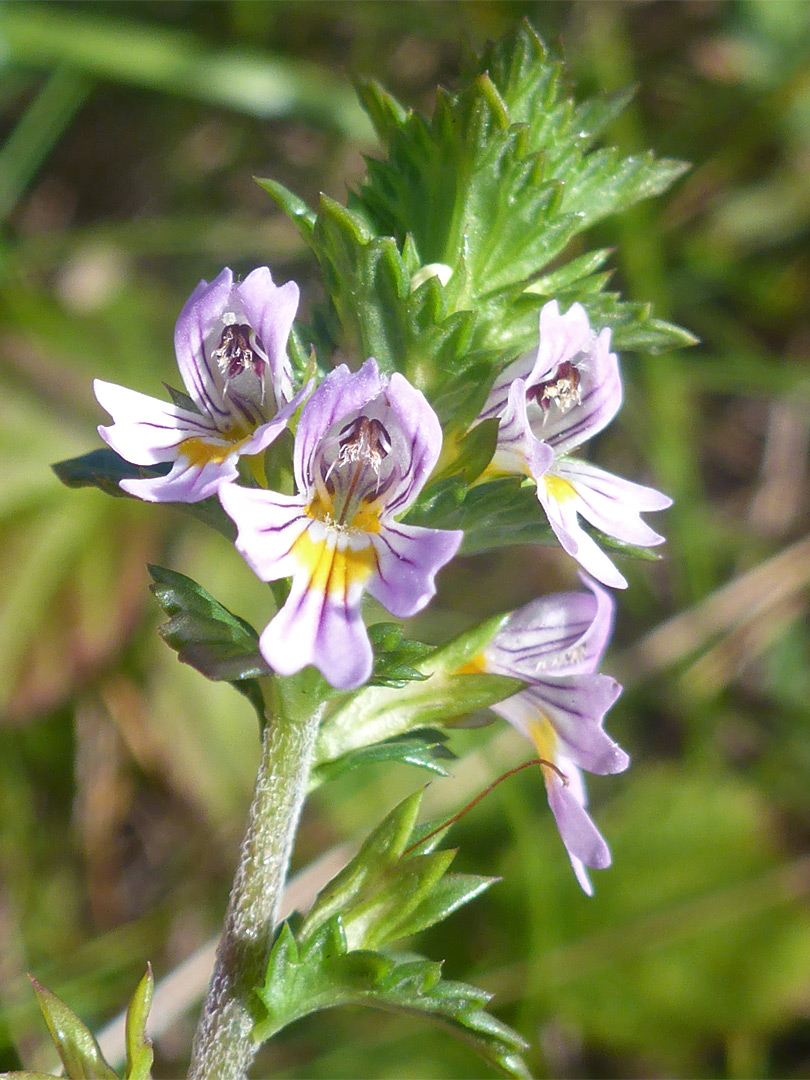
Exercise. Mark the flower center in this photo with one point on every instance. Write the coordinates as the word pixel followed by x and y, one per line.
pixel 242 362
pixel 562 390
pixel 353 481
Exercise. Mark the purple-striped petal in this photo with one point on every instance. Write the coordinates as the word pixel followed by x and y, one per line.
pixel 364 446
pixel 560 634
pixel 268 526
pixel 263 436
pixel 407 560
pixel 518 449
pixel 575 388
pixel 574 706
pixel 186 482
pixel 560 504
pixel 196 335
pixel 611 503
pixel 554 644
pixel 145 430
pixel 270 309
pixel 320 628
pixel 341 393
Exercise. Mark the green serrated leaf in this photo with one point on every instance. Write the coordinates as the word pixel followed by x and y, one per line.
pixel 296 209
pixel 378 713
pixel 447 895
pixel 76 1044
pixel 380 849
pixel 395 656
pixel 373 919
pixel 498 513
pixel 104 469
pixel 473 453
pixel 388 890
pixel 329 977
pixel 573 273
pixel 423 752
pixel 140 1054
pixel 208 637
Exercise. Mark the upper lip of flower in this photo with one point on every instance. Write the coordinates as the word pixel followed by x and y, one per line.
pixel 230 340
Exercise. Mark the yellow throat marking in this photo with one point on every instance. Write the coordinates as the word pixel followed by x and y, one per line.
pixel 200 453
pixel 341 559
pixel 559 490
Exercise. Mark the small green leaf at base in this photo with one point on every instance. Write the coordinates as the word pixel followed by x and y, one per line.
pixel 388 891
pixel 77 1046
pixel 140 1054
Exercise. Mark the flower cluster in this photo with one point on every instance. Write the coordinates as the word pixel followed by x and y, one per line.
pixel 365 444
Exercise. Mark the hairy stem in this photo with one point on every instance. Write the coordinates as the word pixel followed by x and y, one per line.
pixel 223 1048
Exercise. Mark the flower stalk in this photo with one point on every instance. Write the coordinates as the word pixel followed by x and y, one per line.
pixel 223 1044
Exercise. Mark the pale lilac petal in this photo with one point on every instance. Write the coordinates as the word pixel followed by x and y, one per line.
pixel 518 449
pixel 420 441
pixel 576 705
pixel 320 629
pixel 562 517
pixel 341 393
pixel 568 339
pixel 561 337
pixel 408 559
pixel 268 524
pixel 560 634
pixel 270 309
pixel 146 431
pixel 582 839
pixel 263 436
pixel 192 343
pixel 611 503
pixel 499 394
pixel 581 874
pixel 185 483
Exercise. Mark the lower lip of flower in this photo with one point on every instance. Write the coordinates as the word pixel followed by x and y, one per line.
pixel 336 559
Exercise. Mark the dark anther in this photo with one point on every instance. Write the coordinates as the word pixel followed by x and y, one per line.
pixel 364 440
pixel 562 390
pixel 236 353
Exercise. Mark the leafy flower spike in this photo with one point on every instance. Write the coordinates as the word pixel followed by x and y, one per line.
pixel 552 404
pixel 364 447
pixel 231 346
pixel 555 644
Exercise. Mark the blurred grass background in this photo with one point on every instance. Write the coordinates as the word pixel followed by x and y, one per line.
pixel 131 133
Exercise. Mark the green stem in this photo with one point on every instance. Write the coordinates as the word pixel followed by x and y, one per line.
pixel 223 1047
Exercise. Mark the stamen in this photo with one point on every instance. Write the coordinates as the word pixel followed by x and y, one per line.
pixel 363 442
pixel 364 439
pixel 562 390
pixel 240 351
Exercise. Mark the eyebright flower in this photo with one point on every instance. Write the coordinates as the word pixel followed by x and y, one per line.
pixel 231 346
pixel 364 447
pixel 550 404
pixel 555 644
